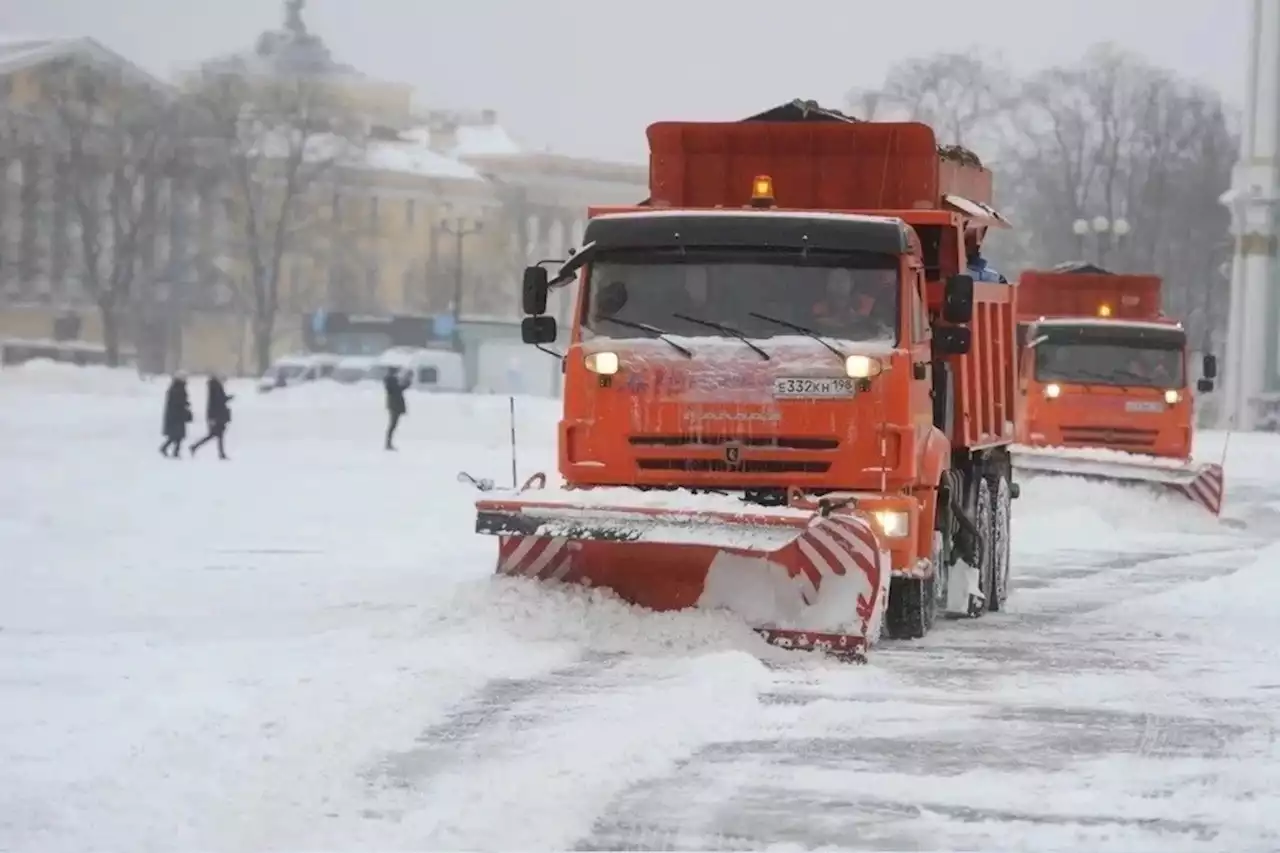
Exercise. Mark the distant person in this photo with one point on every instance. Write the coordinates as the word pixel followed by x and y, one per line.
pixel 217 415
pixel 396 407
pixel 177 414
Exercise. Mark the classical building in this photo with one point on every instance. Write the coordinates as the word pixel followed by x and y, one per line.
pixel 434 212
pixel 47 290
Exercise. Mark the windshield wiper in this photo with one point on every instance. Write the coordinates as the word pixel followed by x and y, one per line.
pixel 737 333
pixel 802 330
pixel 645 327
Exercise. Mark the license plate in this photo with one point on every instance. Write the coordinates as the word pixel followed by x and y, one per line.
pixel 1144 406
pixel 804 386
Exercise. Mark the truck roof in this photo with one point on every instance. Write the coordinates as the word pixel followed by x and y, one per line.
pixel 716 227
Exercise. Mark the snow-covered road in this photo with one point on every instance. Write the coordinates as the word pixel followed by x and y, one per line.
pixel 305 648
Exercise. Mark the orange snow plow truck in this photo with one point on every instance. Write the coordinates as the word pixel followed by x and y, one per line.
pixel 783 395
pixel 1104 387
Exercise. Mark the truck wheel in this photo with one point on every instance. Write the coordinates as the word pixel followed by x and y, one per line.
pixel 1003 511
pixel 984 521
pixel 913 602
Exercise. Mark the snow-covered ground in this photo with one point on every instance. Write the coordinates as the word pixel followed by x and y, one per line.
pixel 305 648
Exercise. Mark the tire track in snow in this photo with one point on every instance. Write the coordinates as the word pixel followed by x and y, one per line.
pixel 730 794
pixel 737 792
pixel 532 764
pixel 503 703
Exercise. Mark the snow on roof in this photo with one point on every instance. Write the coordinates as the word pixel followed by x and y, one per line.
pixel 18 52
pixel 411 158
pixel 471 140
pixel 404 158
pixel 485 140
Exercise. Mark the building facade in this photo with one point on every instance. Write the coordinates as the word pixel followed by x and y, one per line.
pixel 435 213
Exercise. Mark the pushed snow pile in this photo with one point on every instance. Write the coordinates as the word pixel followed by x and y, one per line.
pixel 598 620
pixel 1101 454
pixel 1065 512
pixel 676 500
pixel 56 377
pixel 765 595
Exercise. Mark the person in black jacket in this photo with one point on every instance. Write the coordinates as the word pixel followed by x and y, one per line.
pixel 217 414
pixel 396 408
pixel 177 414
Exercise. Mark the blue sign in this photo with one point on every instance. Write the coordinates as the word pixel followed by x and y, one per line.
pixel 442 325
pixel 317 321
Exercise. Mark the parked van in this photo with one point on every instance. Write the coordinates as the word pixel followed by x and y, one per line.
pixel 427 369
pixel 353 369
pixel 296 369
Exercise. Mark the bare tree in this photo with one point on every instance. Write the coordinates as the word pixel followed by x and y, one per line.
pixel 1116 137
pixel 111 145
pixel 963 96
pixel 276 142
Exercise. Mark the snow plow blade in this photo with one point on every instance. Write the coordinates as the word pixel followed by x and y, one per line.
pixel 1201 483
pixel 801 579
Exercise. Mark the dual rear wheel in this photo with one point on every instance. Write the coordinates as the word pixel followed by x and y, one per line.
pixel 914 603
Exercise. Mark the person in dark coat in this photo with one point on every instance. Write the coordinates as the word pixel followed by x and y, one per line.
pixel 177 414
pixel 217 414
pixel 396 408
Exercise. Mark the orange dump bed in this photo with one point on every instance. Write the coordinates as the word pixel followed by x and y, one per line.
pixel 814 165
pixel 1082 294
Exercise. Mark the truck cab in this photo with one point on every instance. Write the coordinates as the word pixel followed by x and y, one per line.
pixel 1102 367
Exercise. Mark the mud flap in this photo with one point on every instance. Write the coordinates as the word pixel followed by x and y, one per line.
pixel 802 580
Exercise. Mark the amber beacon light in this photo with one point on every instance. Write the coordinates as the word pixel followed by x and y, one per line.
pixel 762 191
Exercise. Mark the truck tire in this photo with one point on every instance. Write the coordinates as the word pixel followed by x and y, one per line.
pixel 913 602
pixel 1002 516
pixel 984 520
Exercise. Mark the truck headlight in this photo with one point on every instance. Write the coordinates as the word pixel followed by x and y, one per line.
pixel 1052 390
pixel 1171 397
pixel 862 366
pixel 604 363
pixel 893 523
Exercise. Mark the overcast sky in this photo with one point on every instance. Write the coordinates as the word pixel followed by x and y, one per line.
pixel 585 76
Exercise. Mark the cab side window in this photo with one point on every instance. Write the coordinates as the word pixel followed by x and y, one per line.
pixel 919 321
pixel 428 376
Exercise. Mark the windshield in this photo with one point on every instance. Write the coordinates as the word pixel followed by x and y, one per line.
pixel 849 297
pixel 1110 364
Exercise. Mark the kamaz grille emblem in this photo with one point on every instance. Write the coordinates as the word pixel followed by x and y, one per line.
pixel 733 454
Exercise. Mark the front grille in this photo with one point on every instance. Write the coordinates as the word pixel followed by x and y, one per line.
pixel 746 466
pixel 1110 436
pixel 783 442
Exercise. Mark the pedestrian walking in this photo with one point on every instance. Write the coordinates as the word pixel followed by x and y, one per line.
pixel 217 415
pixel 396 408
pixel 177 414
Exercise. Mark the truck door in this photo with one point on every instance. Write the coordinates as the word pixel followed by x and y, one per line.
pixel 920 347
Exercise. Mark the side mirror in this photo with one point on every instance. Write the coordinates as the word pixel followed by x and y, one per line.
pixel 538 330
pixel 957 299
pixel 952 340
pixel 1210 370
pixel 1204 386
pixel 533 291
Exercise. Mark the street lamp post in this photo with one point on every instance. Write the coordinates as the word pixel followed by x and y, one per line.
pixel 1100 226
pixel 460 229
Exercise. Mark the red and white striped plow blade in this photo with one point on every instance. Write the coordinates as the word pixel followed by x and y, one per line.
pixel 829 570
pixel 1203 484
